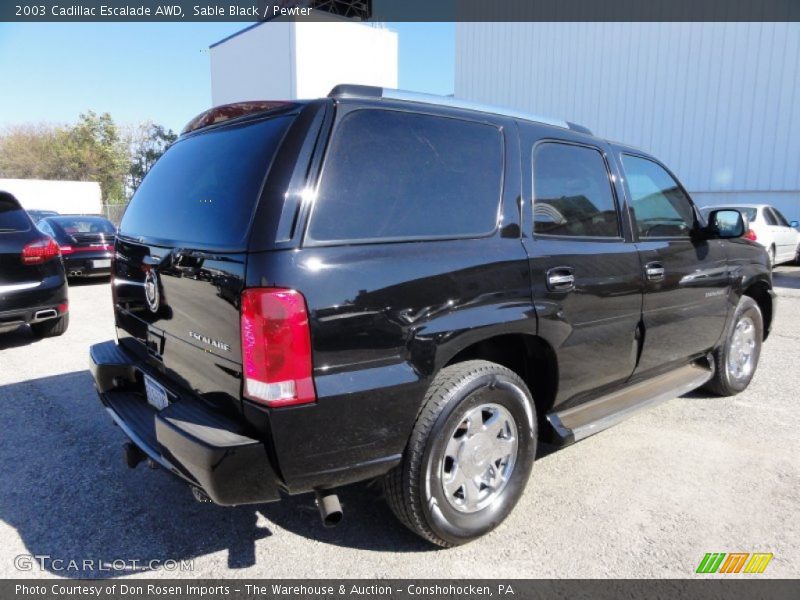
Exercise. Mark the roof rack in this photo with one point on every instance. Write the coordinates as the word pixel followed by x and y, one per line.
pixel 347 90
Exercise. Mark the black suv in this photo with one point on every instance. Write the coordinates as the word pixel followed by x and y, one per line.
pixel 33 287
pixel 384 284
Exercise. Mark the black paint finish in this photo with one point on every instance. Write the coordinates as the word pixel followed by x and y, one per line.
pixel 386 316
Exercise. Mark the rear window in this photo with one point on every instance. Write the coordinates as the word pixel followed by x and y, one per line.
pixel 203 191
pixel 73 225
pixel 393 175
pixel 12 216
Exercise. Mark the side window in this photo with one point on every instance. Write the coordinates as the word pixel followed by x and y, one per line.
pixel 659 205
pixel 781 219
pixel 398 175
pixel 572 193
pixel 769 216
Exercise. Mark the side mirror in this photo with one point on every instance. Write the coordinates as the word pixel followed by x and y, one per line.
pixel 794 224
pixel 726 223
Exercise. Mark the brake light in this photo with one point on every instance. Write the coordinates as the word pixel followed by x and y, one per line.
pixel 276 347
pixel 750 235
pixel 63 308
pixel 66 250
pixel 40 251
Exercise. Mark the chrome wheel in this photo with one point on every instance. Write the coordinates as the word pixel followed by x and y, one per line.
pixel 479 458
pixel 742 351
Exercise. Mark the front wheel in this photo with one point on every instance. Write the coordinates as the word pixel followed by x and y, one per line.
pixel 469 456
pixel 736 359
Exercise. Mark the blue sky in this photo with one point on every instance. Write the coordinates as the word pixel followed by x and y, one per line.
pixel 156 71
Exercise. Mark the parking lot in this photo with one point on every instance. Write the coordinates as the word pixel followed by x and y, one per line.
pixel 647 498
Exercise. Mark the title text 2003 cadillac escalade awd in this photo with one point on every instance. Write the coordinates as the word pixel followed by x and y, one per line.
pixel 383 284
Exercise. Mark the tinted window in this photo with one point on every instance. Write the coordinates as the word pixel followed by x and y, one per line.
pixel 401 175
pixel 204 189
pixel 769 217
pixel 572 192
pixel 659 205
pixel 84 225
pixel 12 216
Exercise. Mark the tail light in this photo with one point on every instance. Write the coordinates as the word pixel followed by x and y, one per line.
pixel 750 235
pixel 40 251
pixel 276 347
pixel 63 308
pixel 66 250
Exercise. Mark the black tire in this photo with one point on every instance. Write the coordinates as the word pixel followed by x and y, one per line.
pixel 725 381
pixel 415 489
pixel 51 327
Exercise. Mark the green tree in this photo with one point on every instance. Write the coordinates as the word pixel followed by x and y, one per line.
pixel 147 143
pixel 90 150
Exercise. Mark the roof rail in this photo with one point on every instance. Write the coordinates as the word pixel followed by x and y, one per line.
pixel 347 90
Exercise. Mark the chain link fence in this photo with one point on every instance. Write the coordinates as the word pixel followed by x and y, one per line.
pixel 113 212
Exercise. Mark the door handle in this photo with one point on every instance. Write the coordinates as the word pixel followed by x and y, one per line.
pixel 654 271
pixel 561 279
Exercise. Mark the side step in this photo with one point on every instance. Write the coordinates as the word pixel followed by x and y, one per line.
pixel 578 422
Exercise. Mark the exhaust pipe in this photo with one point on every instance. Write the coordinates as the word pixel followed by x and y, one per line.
pixel 329 508
pixel 48 313
pixel 133 454
pixel 75 273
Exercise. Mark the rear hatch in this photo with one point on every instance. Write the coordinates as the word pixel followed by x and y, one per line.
pixel 16 230
pixel 181 251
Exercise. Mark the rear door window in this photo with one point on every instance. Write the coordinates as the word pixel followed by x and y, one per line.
pixel 660 206
pixel 769 217
pixel 780 218
pixel 392 175
pixel 572 193
pixel 204 189
pixel 12 216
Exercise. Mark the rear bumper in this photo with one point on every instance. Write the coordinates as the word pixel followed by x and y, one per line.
pixel 187 438
pixel 19 306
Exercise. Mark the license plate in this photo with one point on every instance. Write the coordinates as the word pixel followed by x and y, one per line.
pixel 101 264
pixel 156 394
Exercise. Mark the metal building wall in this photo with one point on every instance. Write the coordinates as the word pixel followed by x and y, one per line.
pixel 718 102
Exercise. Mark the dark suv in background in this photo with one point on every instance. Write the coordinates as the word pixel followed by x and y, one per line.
pixel 384 284
pixel 33 287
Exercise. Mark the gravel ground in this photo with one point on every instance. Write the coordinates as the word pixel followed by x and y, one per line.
pixel 647 498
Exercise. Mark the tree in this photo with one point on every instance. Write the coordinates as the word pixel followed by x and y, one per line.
pixel 93 149
pixel 147 143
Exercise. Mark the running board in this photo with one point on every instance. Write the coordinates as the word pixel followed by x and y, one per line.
pixel 574 424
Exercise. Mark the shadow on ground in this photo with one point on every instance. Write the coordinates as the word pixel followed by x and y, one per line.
pixel 69 496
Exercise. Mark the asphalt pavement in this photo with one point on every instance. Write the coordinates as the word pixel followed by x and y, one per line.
pixel 647 498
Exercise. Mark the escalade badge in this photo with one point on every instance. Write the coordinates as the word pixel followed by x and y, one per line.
pixel 151 293
pixel 210 341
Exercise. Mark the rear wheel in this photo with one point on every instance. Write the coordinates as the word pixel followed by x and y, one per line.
pixel 737 358
pixel 51 327
pixel 469 456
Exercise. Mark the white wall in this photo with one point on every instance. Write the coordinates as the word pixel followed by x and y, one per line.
pixel 331 53
pixel 717 102
pixel 65 197
pixel 254 65
pixel 279 60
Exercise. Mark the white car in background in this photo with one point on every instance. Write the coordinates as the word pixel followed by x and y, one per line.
pixel 769 228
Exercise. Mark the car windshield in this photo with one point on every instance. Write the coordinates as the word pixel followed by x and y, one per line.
pixel 73 225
